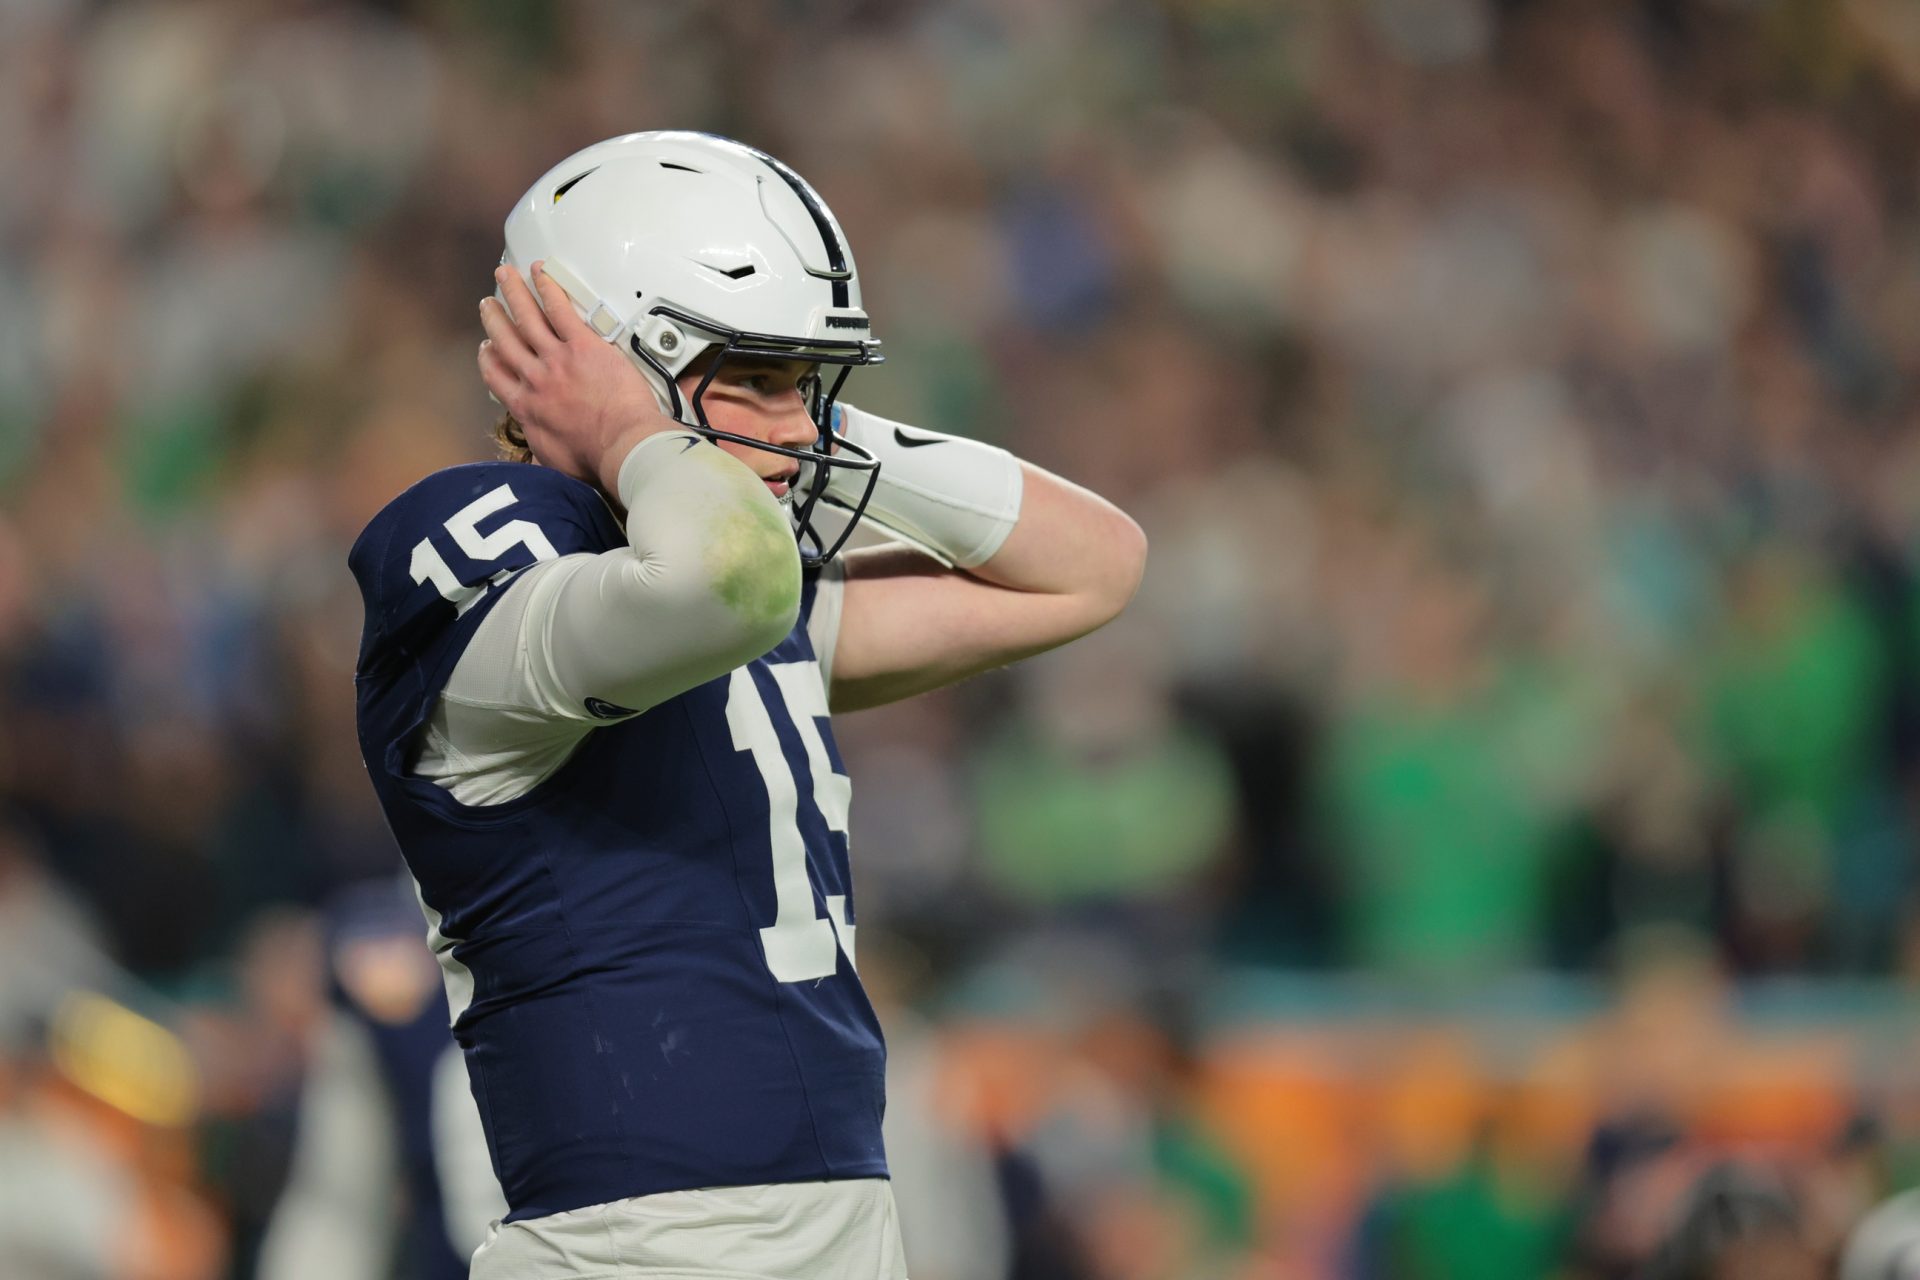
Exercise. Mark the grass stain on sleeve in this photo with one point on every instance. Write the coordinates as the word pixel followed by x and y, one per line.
pixel 755 565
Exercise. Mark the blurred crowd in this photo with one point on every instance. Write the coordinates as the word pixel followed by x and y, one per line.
pixel 1518 396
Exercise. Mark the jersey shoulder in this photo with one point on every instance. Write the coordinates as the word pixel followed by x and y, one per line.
pixel 435 551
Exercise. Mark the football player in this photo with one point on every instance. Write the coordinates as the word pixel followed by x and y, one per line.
pixel 593 697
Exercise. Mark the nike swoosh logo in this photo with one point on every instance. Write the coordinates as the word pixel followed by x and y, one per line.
pixel 731 273
pixel 906 441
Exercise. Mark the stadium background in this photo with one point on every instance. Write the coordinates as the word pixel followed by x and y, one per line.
pixel 1500 805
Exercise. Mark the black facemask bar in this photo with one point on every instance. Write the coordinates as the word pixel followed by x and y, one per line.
pixel 820 393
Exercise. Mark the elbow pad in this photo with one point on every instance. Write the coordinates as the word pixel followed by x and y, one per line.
pixel 954 497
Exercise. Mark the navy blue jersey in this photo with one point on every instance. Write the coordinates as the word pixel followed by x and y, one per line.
pixel 649 954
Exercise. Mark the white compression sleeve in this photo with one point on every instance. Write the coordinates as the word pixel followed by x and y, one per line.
pixel 955 497
pixel 711 579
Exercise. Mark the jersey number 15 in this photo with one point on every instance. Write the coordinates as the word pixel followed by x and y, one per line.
pixel 800 945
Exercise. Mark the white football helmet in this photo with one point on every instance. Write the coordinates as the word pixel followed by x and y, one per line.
pixel 672 242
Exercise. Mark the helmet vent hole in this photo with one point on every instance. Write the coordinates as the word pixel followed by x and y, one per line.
pixel 684 168
pixel 570 184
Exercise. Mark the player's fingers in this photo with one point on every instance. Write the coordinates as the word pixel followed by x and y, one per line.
pixel 503 338
pixel 566 322
pixel 502 383
pixel 528 317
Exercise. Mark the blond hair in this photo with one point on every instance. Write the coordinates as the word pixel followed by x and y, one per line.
pixel 511 439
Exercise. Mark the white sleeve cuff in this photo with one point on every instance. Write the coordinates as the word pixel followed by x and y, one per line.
pixel 958 497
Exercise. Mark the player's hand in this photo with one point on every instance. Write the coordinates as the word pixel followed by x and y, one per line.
pixel 582 404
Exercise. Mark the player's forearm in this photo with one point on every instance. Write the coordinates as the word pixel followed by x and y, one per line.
pixel 711 579
pixel 1069 541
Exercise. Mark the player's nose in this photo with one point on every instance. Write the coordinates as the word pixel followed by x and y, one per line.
pixel 793 426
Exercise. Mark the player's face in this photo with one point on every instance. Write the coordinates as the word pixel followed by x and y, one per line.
pixel 762 400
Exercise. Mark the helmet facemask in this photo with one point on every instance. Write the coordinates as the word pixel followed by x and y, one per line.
pixel 833 361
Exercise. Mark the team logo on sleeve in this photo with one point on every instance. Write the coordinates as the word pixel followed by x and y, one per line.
pixel 603 710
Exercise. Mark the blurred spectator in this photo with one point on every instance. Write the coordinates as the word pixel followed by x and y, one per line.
pixel 1886 1243
pixel 1735 1222
pixel 390 1169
